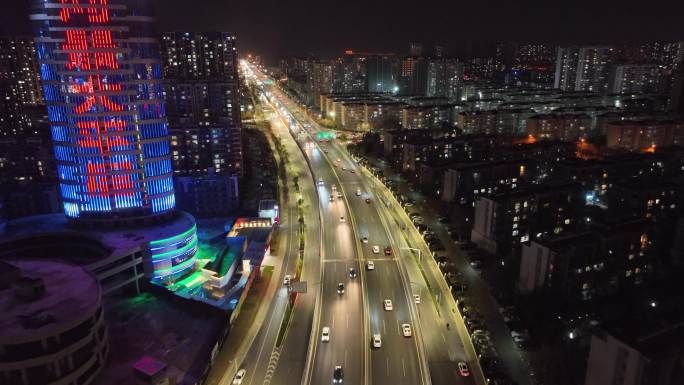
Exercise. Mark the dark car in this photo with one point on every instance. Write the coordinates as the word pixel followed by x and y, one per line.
pixel 338 375
pixel 388 250
pixel 352 272
pixel 340 288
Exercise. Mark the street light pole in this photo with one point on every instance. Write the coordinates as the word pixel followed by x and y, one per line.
pixel 420 253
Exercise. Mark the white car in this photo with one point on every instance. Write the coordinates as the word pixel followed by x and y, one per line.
pixel 239 376
pixel 377 341
pixel 339 194
pixel 358 192
pixel 344 168
pixel 287 280
pixel 387 304
pixel 370 265
pixel 325 334
pixel 320 181
pixel 416 298
pixel 376 249
pixel 406 330
pixel 364 239
pixel 334 187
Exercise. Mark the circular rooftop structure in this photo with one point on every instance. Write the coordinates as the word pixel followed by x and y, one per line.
pixel 52 328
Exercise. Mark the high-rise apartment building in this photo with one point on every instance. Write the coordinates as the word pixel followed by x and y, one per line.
pixel 413 76
pixel 638 78
pixel 19 67
pixel 444 78
pixel 382 72
pixel 350 73
pixel 321 80
pixel 102 81
pixel 201 90
pixel 583 68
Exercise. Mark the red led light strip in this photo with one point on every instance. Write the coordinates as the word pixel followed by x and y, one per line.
pixel 92 50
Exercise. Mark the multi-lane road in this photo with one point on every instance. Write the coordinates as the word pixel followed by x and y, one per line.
pixel 364 211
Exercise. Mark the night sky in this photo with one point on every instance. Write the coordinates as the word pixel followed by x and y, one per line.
pixel 278 28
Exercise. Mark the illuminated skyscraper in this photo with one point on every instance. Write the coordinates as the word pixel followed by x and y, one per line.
pixel 101 76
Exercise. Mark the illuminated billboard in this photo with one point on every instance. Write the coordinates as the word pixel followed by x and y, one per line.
pixel 102 77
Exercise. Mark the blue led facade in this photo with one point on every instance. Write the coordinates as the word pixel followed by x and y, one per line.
pixel 102 79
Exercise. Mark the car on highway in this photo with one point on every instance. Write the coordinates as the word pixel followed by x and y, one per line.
pixel 352 272
pixel 320 181
pixel 325 334
pixel 387 304
pixel 340 288
pixel 339 194
pixel 344 168
pixel 338 375
pixel 358 192
pixel 339 160
pixel 287 280
pixel 406 330
pixel 416 298
pixel 463 369
pixel 334 187
pixel 377 341
pixel 364 239
pixel 413 215
pixel 388 250
pixel 370 265
pixel 368 200
pixel 376 249
pixel 332 198
pixel 239 377
pixel 342 220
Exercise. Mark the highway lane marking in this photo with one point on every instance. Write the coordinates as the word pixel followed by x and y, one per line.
pixel 444 338
pixel 388 372
pixel 384 327
pixel 347 320
pixel 345 357
pixel 333 323
pixel 403 366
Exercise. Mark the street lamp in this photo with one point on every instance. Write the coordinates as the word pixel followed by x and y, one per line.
pixel 420 253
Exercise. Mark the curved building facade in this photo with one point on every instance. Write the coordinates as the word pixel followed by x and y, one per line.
pixel 102 79
pixel 58 335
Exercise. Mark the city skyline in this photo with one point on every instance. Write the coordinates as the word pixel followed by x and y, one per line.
pixel 484 193
pixel 279 29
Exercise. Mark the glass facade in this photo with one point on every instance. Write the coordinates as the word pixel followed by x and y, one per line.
pixel 102 79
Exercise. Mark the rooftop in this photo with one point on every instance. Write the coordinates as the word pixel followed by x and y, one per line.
pixel 70 292
pixel 118 239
